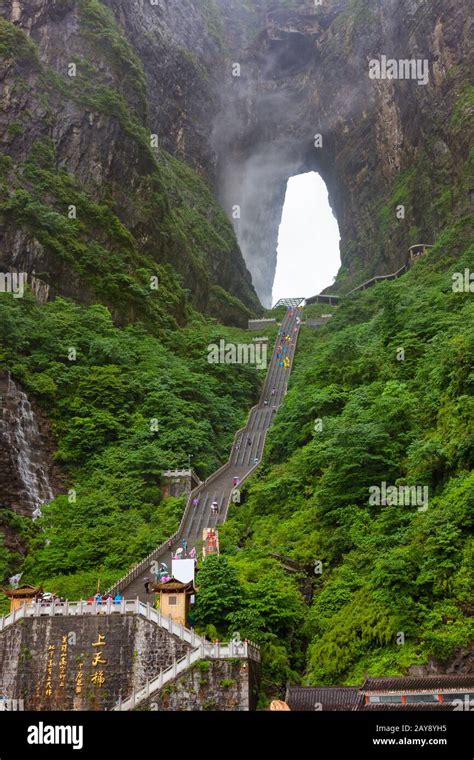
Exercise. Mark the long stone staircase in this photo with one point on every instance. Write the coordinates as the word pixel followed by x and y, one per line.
pixel 245 457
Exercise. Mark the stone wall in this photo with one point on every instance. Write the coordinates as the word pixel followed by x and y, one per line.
pixel 90 662
pixel 210 685
pixel 134 650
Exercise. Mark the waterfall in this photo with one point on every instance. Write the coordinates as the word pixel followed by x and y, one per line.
pixel 27 482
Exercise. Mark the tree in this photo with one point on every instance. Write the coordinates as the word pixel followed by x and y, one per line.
pixel 219 592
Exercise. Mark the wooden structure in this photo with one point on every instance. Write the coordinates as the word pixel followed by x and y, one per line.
pixel 414 690
pixel 24 595
pixel 175 599
pixel 434 692
pixel 420 249
pixel 329 300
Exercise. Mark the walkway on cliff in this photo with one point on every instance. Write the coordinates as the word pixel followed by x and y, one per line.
pixel 415 252
pixel 245 456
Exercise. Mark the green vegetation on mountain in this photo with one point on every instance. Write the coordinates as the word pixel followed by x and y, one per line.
pixel 396 583
pixel 116 234
pixel 383 393
pixel 124 406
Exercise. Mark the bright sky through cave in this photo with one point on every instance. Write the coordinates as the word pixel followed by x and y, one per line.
pixel 308 241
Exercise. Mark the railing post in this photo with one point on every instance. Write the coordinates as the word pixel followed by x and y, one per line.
pixel 175 669
pixel 181 631
pixel 137 605
pixel 148 608
pixel 188 658
pixel 170 625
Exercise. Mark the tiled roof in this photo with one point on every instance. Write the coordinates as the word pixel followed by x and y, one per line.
pixel 417 683
pixel 308 698
pixel 22 591
pixel 417 707
pixel 174 585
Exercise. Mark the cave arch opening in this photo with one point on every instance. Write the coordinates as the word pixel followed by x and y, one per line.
pixel 308 256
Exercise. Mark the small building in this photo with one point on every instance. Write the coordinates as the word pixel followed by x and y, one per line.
pixel 434 692
pixel 420 249
pixel 323 299
pixel 24 595
pixel 179 482
pixel 417 690
pixel 175 599
pixel 324 698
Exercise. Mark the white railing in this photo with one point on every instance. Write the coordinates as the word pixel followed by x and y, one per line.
pixel 364 286
pixel 110 607
pixel 240 650
pixel 201 648
pixel 380 278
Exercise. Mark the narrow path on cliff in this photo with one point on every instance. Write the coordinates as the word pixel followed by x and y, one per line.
pixel 245 456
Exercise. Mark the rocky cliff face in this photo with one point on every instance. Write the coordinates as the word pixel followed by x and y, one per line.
pixel 384 143
pixel 123 120
pixel 95 199
pixel 168 69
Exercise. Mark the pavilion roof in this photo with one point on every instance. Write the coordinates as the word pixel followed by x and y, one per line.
pixel 174 585
pixel 22 591
pixel 408 684
pixel 304 698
